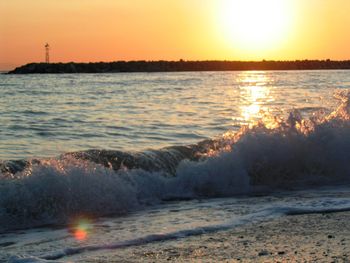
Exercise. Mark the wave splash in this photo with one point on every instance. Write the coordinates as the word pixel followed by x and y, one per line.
pixel 275 153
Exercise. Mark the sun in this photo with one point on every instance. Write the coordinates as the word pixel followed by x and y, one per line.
pixel 255 24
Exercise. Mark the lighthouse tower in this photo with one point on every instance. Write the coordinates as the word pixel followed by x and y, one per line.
pixel 47 53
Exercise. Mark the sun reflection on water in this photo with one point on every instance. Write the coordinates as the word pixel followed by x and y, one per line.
pixel 254 92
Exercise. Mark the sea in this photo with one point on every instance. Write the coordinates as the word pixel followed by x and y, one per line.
pixel 91 164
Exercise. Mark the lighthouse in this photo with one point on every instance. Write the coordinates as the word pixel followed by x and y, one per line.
pixel 47 53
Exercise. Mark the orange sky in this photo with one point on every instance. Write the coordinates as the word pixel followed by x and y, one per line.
pixel 108 30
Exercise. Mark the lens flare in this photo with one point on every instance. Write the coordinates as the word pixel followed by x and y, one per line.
pixel 81 229
pixel 80 234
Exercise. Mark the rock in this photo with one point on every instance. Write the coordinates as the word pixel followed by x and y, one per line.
pixel 263 253
pixel 330 236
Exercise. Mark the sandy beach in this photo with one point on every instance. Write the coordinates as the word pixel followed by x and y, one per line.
pixel 297 238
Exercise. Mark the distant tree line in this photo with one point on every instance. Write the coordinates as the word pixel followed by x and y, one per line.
pixel 181 65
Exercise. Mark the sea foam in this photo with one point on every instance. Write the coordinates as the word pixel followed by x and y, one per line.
pixel 274 153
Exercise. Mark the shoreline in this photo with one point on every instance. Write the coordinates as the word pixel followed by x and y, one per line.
pixel 315 237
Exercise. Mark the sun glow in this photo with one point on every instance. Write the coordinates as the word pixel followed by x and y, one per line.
pixel 255 24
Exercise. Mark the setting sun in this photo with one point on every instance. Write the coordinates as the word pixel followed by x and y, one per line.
pixel 107 30
pixel 255 24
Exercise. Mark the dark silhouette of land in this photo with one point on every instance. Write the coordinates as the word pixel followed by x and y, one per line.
pixel 181 65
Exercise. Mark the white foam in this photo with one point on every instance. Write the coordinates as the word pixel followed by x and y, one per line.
pixel 282 155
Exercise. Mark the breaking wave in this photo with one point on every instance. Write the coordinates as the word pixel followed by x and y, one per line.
pixel 275 153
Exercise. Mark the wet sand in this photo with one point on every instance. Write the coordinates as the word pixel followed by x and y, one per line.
pixel 297 238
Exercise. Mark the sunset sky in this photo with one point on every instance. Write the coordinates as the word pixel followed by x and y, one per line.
pixel 109 30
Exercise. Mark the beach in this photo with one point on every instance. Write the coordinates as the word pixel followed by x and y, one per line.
pixel 298 238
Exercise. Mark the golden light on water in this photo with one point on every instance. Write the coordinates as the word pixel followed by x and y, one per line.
pixel 255 92
pixel 249 111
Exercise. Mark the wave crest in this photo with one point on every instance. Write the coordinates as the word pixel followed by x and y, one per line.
pixel 273 153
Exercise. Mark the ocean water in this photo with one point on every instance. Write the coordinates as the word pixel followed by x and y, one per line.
pixel 47 115
pixel 96 162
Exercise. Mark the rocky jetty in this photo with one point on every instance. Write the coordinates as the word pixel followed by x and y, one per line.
pixel 181 65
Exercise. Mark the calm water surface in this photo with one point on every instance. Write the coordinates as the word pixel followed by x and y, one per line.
pixel 45 115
